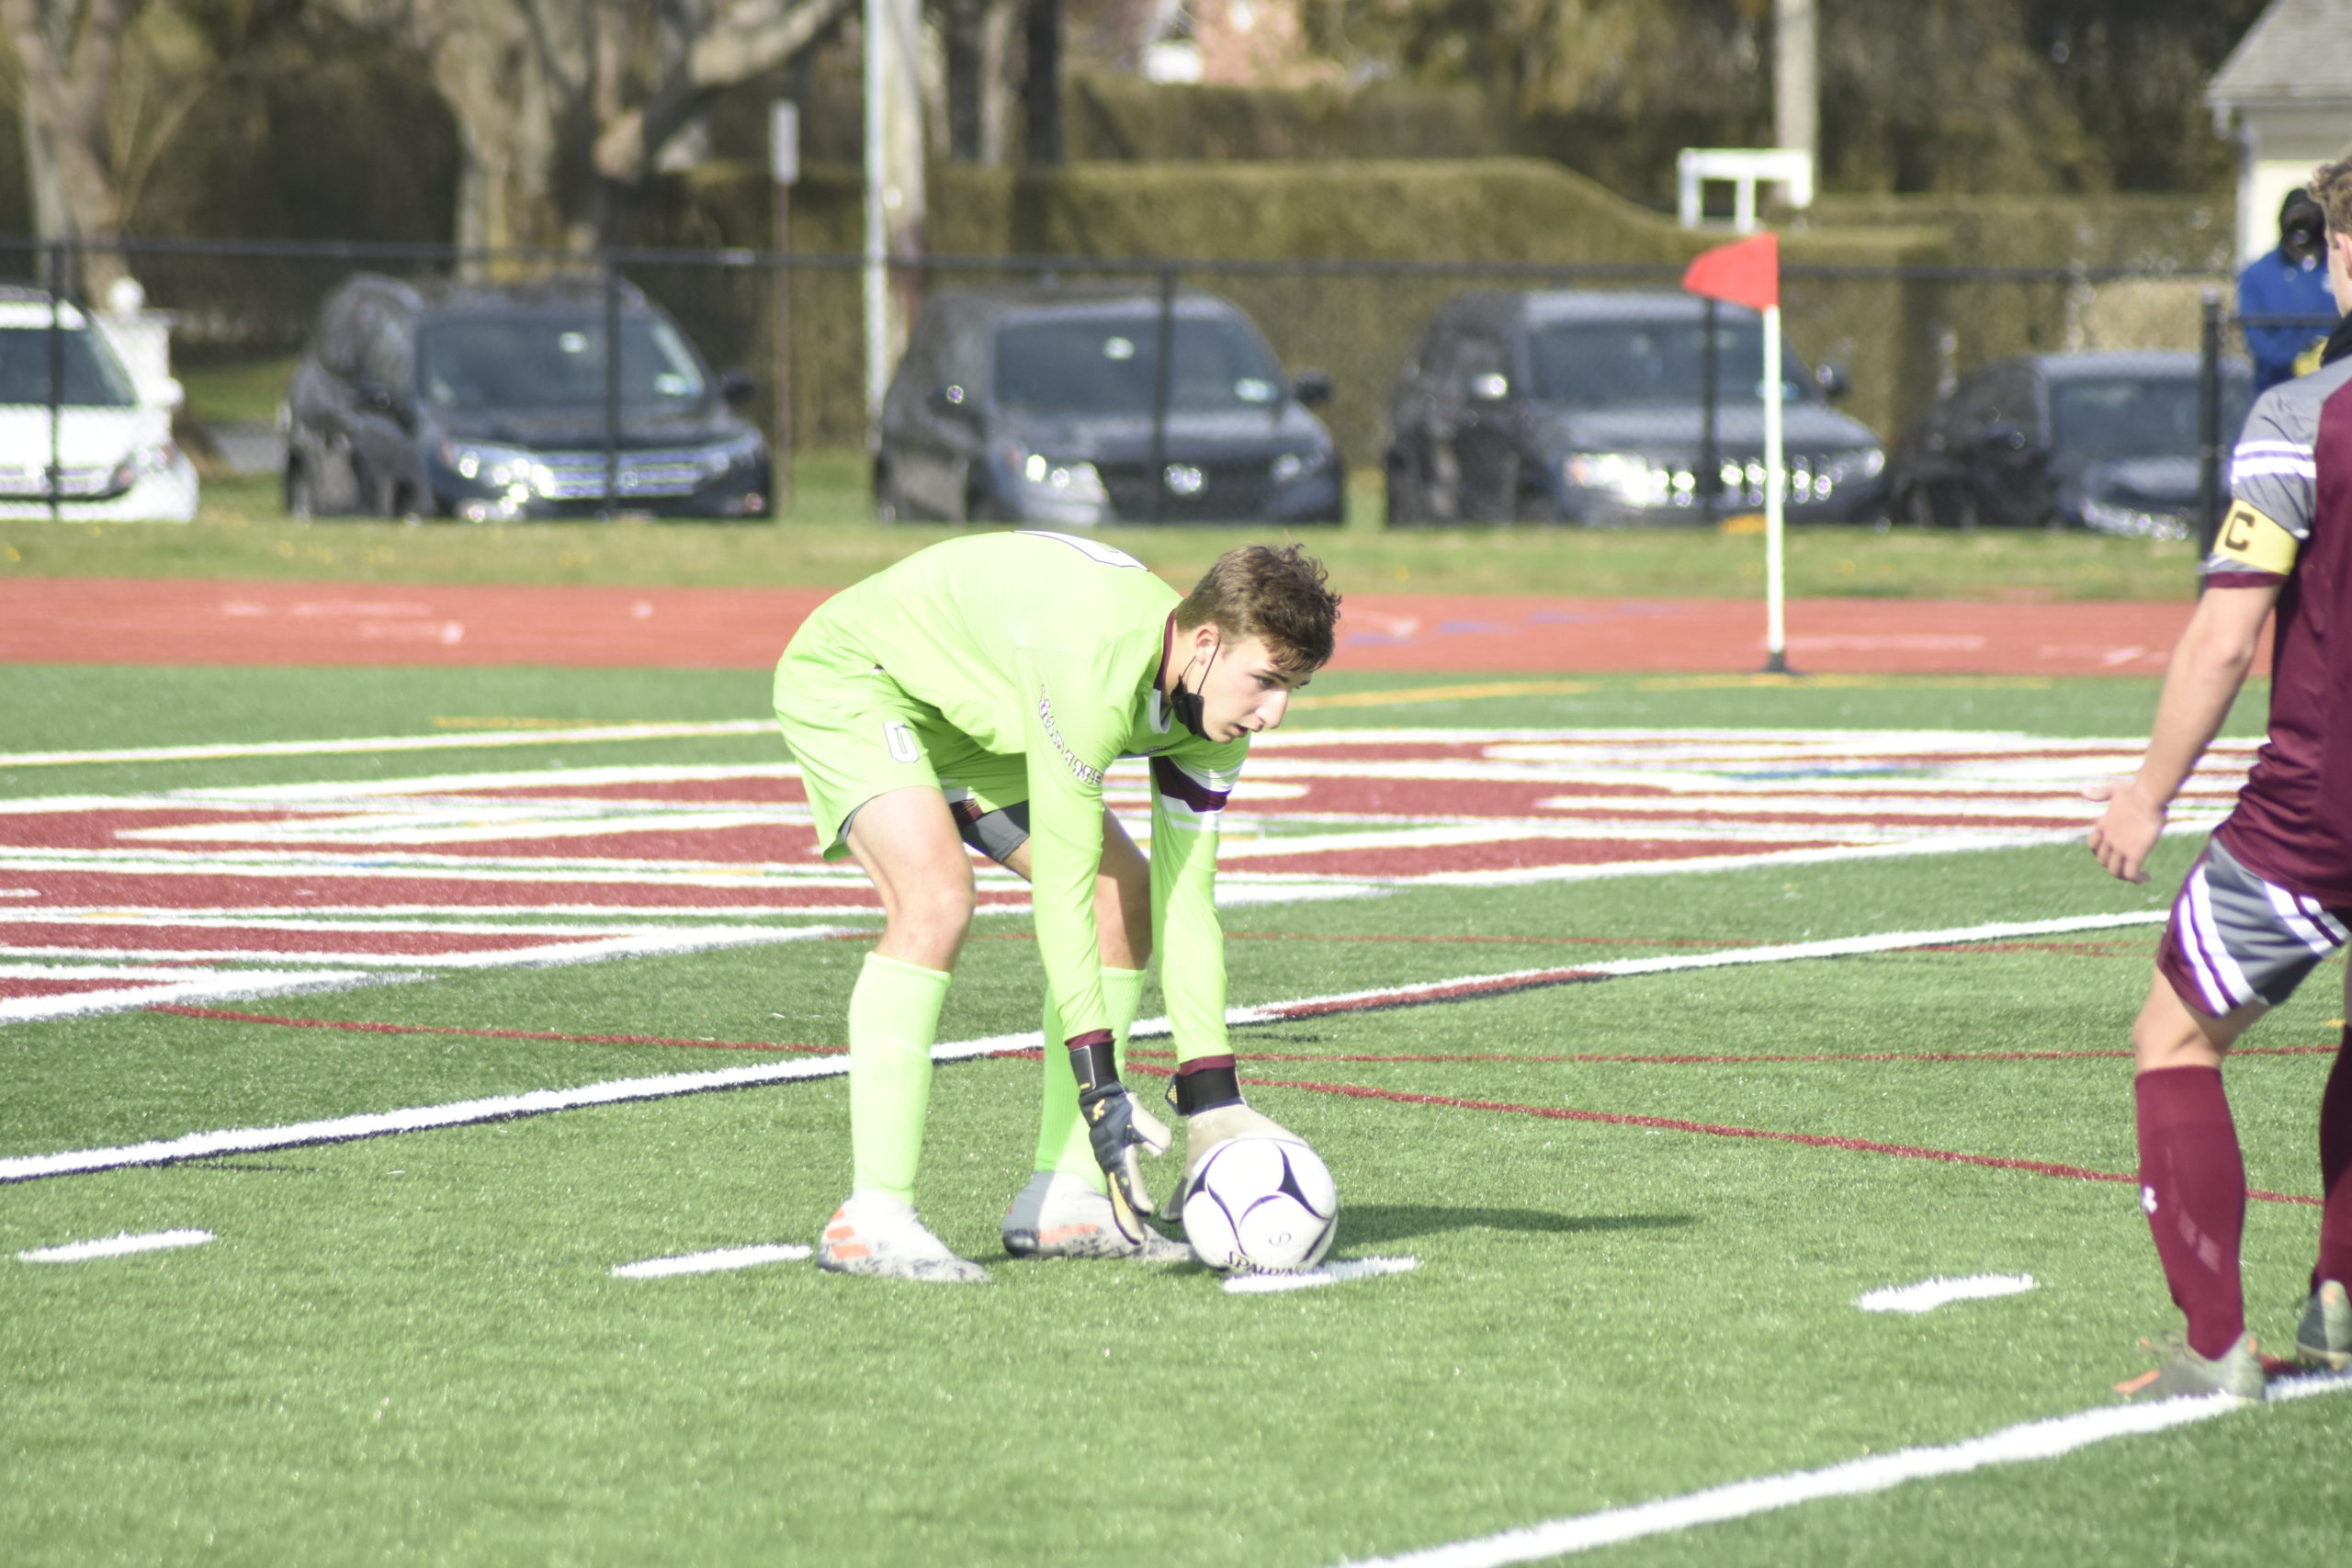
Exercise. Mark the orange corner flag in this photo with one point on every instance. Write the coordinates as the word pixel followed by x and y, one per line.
pixel 1745 271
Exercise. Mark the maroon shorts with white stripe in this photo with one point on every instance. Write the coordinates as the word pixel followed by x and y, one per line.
pixel 2235 939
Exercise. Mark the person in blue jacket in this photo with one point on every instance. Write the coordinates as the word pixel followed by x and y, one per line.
pixel 2291 280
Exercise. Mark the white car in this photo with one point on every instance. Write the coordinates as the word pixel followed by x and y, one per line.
pixel 65 399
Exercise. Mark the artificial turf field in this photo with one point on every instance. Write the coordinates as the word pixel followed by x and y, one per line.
pixel 413 1346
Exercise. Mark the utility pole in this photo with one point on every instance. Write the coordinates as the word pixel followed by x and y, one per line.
pixel 783 167
pixel 1797 80
pixel 894 189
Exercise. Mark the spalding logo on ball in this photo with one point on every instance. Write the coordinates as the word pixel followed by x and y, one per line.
pixel 1261 1203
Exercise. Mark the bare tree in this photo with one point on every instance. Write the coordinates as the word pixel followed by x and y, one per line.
pixel 70 55
pixel 560 103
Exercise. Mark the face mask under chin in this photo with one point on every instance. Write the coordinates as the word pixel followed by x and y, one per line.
pixel 1186 705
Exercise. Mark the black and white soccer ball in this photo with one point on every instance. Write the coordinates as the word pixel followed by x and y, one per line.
pixel 1261 1203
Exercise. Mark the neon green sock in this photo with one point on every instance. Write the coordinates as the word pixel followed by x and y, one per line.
pixel 893 1020
pixel 1061 1141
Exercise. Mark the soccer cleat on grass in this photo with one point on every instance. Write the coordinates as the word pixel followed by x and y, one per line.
pixel 1060 1216
pixel 2324 1338
pixel 2237 1373
pixel 881 1237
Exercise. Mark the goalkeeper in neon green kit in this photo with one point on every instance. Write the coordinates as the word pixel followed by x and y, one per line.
pixel 975 693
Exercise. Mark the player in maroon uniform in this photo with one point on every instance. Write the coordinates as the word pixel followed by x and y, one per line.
pixel 2272 894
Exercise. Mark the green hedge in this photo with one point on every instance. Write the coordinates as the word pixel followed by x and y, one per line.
pixel 1359 329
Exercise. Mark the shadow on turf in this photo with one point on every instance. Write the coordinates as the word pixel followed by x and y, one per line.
pixel 1363 1223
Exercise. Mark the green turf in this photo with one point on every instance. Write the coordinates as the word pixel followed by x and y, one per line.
pixel 412 1350
pixel 829 539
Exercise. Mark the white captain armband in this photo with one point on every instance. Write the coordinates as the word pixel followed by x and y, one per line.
pixel 2253 540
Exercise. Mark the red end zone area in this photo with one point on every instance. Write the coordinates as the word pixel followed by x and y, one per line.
pixel 123 621
pixel 200 896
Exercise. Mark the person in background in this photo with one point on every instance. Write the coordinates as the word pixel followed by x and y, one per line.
pixel 2291 280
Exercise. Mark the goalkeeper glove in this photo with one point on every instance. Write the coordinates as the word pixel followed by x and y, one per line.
pixel 1117 1126
pixel 1208 1094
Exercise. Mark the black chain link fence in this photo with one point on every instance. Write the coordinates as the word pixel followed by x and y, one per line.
pixel 243 312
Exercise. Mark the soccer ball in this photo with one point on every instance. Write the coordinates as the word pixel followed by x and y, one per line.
pixel 1261 1203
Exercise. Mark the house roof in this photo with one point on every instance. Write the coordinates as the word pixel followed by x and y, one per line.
pixel 2299 52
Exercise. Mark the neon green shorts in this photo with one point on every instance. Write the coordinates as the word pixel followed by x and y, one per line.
pixel 857 734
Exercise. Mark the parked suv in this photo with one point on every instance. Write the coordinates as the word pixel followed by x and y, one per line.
pixel 488 403
pixel 1583 407
pixel 1036 404
pixel 65 398
pixel 2104 441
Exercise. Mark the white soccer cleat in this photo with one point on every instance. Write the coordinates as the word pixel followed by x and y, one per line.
pixel 878 1235
pixel 1060 1216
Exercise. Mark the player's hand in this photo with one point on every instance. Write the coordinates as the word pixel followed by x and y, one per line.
pixel 1119 1127
pixel 2125 831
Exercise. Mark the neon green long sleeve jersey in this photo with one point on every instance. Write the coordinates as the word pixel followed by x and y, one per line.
pixel 1047 648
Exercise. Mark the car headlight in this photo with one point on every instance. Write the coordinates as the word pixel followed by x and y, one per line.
pixel 1073 481
pixel 140 462
pixel 500 468
pixel 1299 465
pixel 1628 476
pixel 1847 468
pixel 736 452
pixel 2131 522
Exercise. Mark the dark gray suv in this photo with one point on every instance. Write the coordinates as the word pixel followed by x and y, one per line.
pixel 1045 404
pixel 1587 407
pixel 488 403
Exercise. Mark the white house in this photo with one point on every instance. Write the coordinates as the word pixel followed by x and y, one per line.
pixel 2285 94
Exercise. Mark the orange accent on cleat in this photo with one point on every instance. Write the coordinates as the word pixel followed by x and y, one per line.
pixel 854 1249
pixel 1065 1233
pixel 2127 1388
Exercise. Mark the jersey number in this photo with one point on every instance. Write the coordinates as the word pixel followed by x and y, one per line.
pixel 901 740
pixel 1091 549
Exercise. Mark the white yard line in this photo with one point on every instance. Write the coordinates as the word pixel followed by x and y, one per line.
pixel 1929 1294
pixel 2026 1444
pixel 539 1102
pixel 115 1247
pixel 713 1262
pixel 583 735
pixel 1314 1279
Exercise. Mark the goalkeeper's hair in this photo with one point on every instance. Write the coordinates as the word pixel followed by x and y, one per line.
pixel 1276 595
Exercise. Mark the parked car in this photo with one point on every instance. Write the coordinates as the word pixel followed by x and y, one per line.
pixel 2101 441
pixel 487 402
pixel 1588 407
pixel 66 399
pixel 1036 404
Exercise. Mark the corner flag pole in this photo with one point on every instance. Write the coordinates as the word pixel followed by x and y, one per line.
pixel 1776 632
pixel 1747 271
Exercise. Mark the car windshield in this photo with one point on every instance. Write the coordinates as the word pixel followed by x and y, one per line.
pixel 553 359
pixel 1109 366
pixel 1603 364
pixel 2136 416
pixel 88 375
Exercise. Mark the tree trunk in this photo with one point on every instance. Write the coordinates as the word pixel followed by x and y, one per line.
pixel 1042 91
pixel 69 73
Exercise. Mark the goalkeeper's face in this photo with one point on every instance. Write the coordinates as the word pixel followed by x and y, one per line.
pixel 1243 690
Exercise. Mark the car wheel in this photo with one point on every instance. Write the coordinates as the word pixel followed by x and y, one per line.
pixel 1917 506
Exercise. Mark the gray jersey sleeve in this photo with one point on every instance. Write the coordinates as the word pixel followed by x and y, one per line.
pixel 2273 476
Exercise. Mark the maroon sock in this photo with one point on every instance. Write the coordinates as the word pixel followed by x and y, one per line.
pixel 2335 1162
pixel 2192 1185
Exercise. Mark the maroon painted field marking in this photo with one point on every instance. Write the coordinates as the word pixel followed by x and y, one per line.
pixel 364 1027
pixel 1440 1059
pixel 1716 1130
